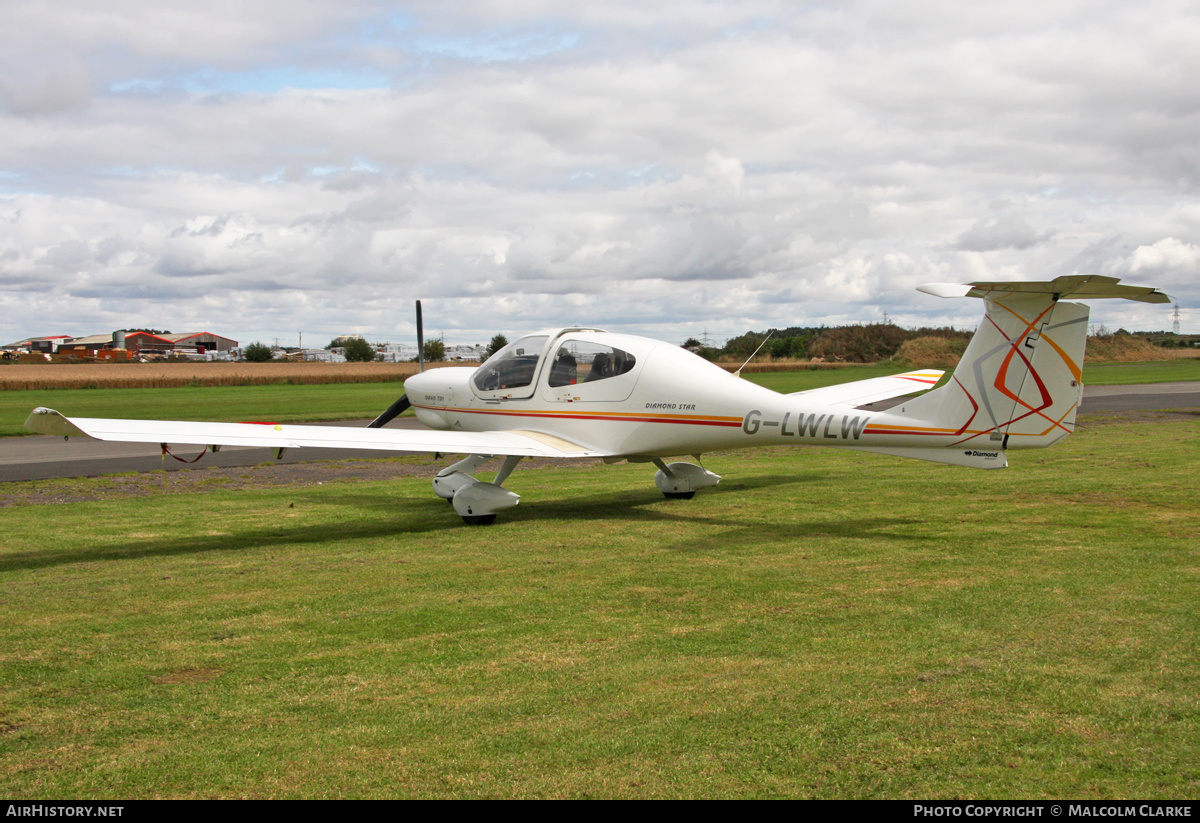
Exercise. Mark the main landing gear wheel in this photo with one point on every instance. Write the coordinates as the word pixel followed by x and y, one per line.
pixel 681 481
pixel 479 519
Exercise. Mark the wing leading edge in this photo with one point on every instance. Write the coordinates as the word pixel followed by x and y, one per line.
pixel 861 392
pixel 285 436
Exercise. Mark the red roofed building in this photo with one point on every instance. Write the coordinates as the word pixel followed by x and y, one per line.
pixel 145 342
pixel 203 340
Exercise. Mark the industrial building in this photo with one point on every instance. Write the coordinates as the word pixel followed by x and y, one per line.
pixel 137 343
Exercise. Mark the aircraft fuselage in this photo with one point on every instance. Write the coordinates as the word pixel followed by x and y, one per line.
pixel 672 402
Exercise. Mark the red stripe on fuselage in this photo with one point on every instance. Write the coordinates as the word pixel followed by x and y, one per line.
pixel 628 417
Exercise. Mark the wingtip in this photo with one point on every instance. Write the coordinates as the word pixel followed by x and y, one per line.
pixel 944 289
pixel 48 421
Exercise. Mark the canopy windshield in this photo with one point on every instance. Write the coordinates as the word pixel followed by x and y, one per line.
pixel 513 367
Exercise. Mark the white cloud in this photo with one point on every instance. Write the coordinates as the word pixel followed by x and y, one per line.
pixel 254 169
pixel 1008 231
pixel 1167 255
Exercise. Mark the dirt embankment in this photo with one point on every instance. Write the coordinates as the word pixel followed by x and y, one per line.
pixel 935 352
pixel 1125 348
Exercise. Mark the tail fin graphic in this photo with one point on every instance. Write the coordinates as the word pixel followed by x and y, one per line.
pixel 1019 383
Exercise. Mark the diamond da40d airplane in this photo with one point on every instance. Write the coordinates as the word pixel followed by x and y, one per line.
pixel 581 392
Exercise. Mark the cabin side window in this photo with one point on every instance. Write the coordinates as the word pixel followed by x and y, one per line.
pixel 579 361
pixel 512 367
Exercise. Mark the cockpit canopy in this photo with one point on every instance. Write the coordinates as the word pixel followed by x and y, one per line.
pixel 513 367
pixel 575 359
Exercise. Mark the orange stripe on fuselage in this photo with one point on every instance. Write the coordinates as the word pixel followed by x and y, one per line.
pixel 909 430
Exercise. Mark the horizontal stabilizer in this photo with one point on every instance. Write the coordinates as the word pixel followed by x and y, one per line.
pixel 279 435
pixel 975 458
pixel 861 392
pixel 1071 287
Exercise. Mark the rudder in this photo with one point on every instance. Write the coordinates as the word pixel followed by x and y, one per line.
pixel 1020 381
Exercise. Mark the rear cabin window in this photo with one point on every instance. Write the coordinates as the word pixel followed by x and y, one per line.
pixel 579 361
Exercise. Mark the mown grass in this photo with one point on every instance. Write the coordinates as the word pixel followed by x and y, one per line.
pixel 1118 374
pixel 1102 374
pixel 821 624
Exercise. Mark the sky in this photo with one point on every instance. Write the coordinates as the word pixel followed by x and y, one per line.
pixel 284 168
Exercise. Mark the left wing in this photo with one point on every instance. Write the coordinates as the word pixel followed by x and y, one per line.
pixel 283 436
pixel 861 392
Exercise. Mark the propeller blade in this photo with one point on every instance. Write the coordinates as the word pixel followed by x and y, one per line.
pixel 420 340
pixel 392 412
pixel 396 409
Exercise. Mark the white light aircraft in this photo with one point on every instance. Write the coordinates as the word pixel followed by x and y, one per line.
pixel 582 392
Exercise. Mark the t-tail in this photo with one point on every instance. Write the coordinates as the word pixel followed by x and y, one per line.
pixel 1020 381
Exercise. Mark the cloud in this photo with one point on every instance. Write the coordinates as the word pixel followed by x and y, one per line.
pixel 51 85
pixel 263 168
pixel 1166 256
pixel 1008 231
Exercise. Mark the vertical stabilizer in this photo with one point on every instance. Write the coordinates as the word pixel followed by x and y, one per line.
pixel 1020 381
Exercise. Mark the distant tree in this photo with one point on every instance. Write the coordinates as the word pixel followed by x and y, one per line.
pixel 435 351
pixel 780 348
pixel 859 344
pixel 358 350
pixel 788 347
pixel 743 346
pixel 148 331
pixel 692 344
pixel 257 353
pixel 498 342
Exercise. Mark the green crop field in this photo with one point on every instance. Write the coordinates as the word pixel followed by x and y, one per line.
pixel 822 624
pixel 287 403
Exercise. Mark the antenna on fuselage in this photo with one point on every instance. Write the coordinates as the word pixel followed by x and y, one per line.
pixel 738 373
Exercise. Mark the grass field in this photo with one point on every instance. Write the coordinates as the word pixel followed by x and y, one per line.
pixel 819 625
pixel 278 402
pixel 286 403
pixel 1119 374
pixel 1100 374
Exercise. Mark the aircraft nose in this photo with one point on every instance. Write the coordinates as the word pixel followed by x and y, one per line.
pixel 439 381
